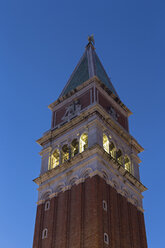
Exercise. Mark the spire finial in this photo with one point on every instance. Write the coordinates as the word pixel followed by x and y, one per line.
pixel 91 39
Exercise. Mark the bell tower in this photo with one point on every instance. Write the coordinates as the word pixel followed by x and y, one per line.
pixel 89 188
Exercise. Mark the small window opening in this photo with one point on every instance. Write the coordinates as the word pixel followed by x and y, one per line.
pixel 106 238
pixel 104 205
pixel 47 205
pixel 44 233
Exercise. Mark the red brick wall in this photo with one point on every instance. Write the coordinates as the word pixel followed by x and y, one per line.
pixel 76 219
pixel 84 100
pixel 123 121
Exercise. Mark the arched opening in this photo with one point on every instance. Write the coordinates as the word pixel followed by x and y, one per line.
pixel 127 163
pixel 119 157
pixel 112 150
pixel 65 153
pixel 44 233
pixel 74 147
pixel 83 142
pixel 47 205
pixel 105 143
pixel 106 238
pixel 55 159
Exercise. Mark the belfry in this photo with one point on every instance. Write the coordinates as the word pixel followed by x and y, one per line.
pixel 90 193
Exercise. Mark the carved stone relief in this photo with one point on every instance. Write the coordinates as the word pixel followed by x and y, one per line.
pixel 71 111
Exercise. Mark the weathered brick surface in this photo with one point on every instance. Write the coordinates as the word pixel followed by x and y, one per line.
pixel 90 214
pixel 142 230
pixel 124 224
pixel 134 226
pixel 61 221
pixel 76 219
pixel 37 227
pixel 115 231
pixel 106 105
pixel 84 101
pixel 74 232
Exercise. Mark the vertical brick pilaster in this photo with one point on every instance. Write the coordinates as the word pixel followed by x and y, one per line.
pixel 37 227
pixel 142 230
pixel 124 224
pixel 114 219
pixel 60 241
pixel 74 225
pixel 100 211
pixel 134 226
pixel 90 214
pixel 55 200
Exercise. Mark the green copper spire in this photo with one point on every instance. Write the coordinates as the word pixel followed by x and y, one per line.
pixel 88 67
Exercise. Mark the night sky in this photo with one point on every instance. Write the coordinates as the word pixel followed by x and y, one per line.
pixel 40 45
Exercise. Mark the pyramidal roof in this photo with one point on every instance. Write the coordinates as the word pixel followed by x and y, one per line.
pixel 88 67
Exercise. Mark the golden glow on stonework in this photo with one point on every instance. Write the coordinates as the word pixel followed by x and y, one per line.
pixel 74 147
pixel 119 157
pixel 127 163
pixel 54 159
pixel 106 143
pixel 65 153
pixel 83 142
pixel 112 150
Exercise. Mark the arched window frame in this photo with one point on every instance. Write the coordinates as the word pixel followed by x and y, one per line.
pixel 105 205
pixel 47 205
pixel 82 147
pixel 45 233
pixel 52 161
pixel 106 238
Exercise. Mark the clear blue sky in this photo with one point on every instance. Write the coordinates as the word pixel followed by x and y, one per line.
pixel 40 44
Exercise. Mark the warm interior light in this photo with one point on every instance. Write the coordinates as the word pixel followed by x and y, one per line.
pixel 65 153
pixel 55 158
pixel 119 157
pixel 83 142
pixel 112 150
pixel 127 163
pixel 106 143
pixel 74 147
